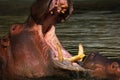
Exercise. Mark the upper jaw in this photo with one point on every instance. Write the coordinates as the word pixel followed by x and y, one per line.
pixel 59 4
pixel 59 7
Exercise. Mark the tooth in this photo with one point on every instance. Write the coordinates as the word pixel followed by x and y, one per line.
pixel 51 12
pixel 63 11
pixel 81 52
pixel 80 55
pixel 60 56
pixel 74 58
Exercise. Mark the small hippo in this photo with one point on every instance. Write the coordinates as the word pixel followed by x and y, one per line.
pixel 102 67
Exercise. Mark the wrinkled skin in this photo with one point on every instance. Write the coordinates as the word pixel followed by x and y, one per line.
pixel 29 51
pixel 102 67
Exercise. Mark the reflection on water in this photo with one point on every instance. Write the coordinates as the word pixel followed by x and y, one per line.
pixel 96 30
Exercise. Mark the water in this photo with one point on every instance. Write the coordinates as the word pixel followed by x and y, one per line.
pixel 96 30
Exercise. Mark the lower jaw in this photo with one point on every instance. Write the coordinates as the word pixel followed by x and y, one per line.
pixel 58 52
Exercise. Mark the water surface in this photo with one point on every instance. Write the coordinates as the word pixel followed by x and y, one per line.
pixel 96 30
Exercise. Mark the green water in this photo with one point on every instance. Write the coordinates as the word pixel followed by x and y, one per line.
pixel 96 30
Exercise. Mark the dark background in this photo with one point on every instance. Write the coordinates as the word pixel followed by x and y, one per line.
pixel 10 7
pixel 97 4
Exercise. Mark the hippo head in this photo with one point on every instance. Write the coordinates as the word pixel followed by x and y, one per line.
pixel 32 48
pixel 102 67
pixel 97 64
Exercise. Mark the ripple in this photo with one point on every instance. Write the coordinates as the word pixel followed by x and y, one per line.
pixel 95 30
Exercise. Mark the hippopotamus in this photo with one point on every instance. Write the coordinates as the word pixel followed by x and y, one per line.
pixel 29 50
pixel 102 67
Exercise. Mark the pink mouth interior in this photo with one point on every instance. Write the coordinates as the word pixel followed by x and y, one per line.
pixel 52 41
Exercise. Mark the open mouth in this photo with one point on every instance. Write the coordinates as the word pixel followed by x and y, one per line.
pixel 55 15
pixel 58 13
pixel 58 52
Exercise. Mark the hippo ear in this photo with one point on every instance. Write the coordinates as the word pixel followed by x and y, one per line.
pixel 114 66
pixel 39 8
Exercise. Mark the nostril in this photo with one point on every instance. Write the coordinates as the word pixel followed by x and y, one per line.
pixel 16 28
pixel 13 27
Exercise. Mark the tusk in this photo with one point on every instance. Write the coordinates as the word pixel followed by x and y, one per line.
pixel 74 58
pixel 80 55
pixel 60 56
pixel 81 52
